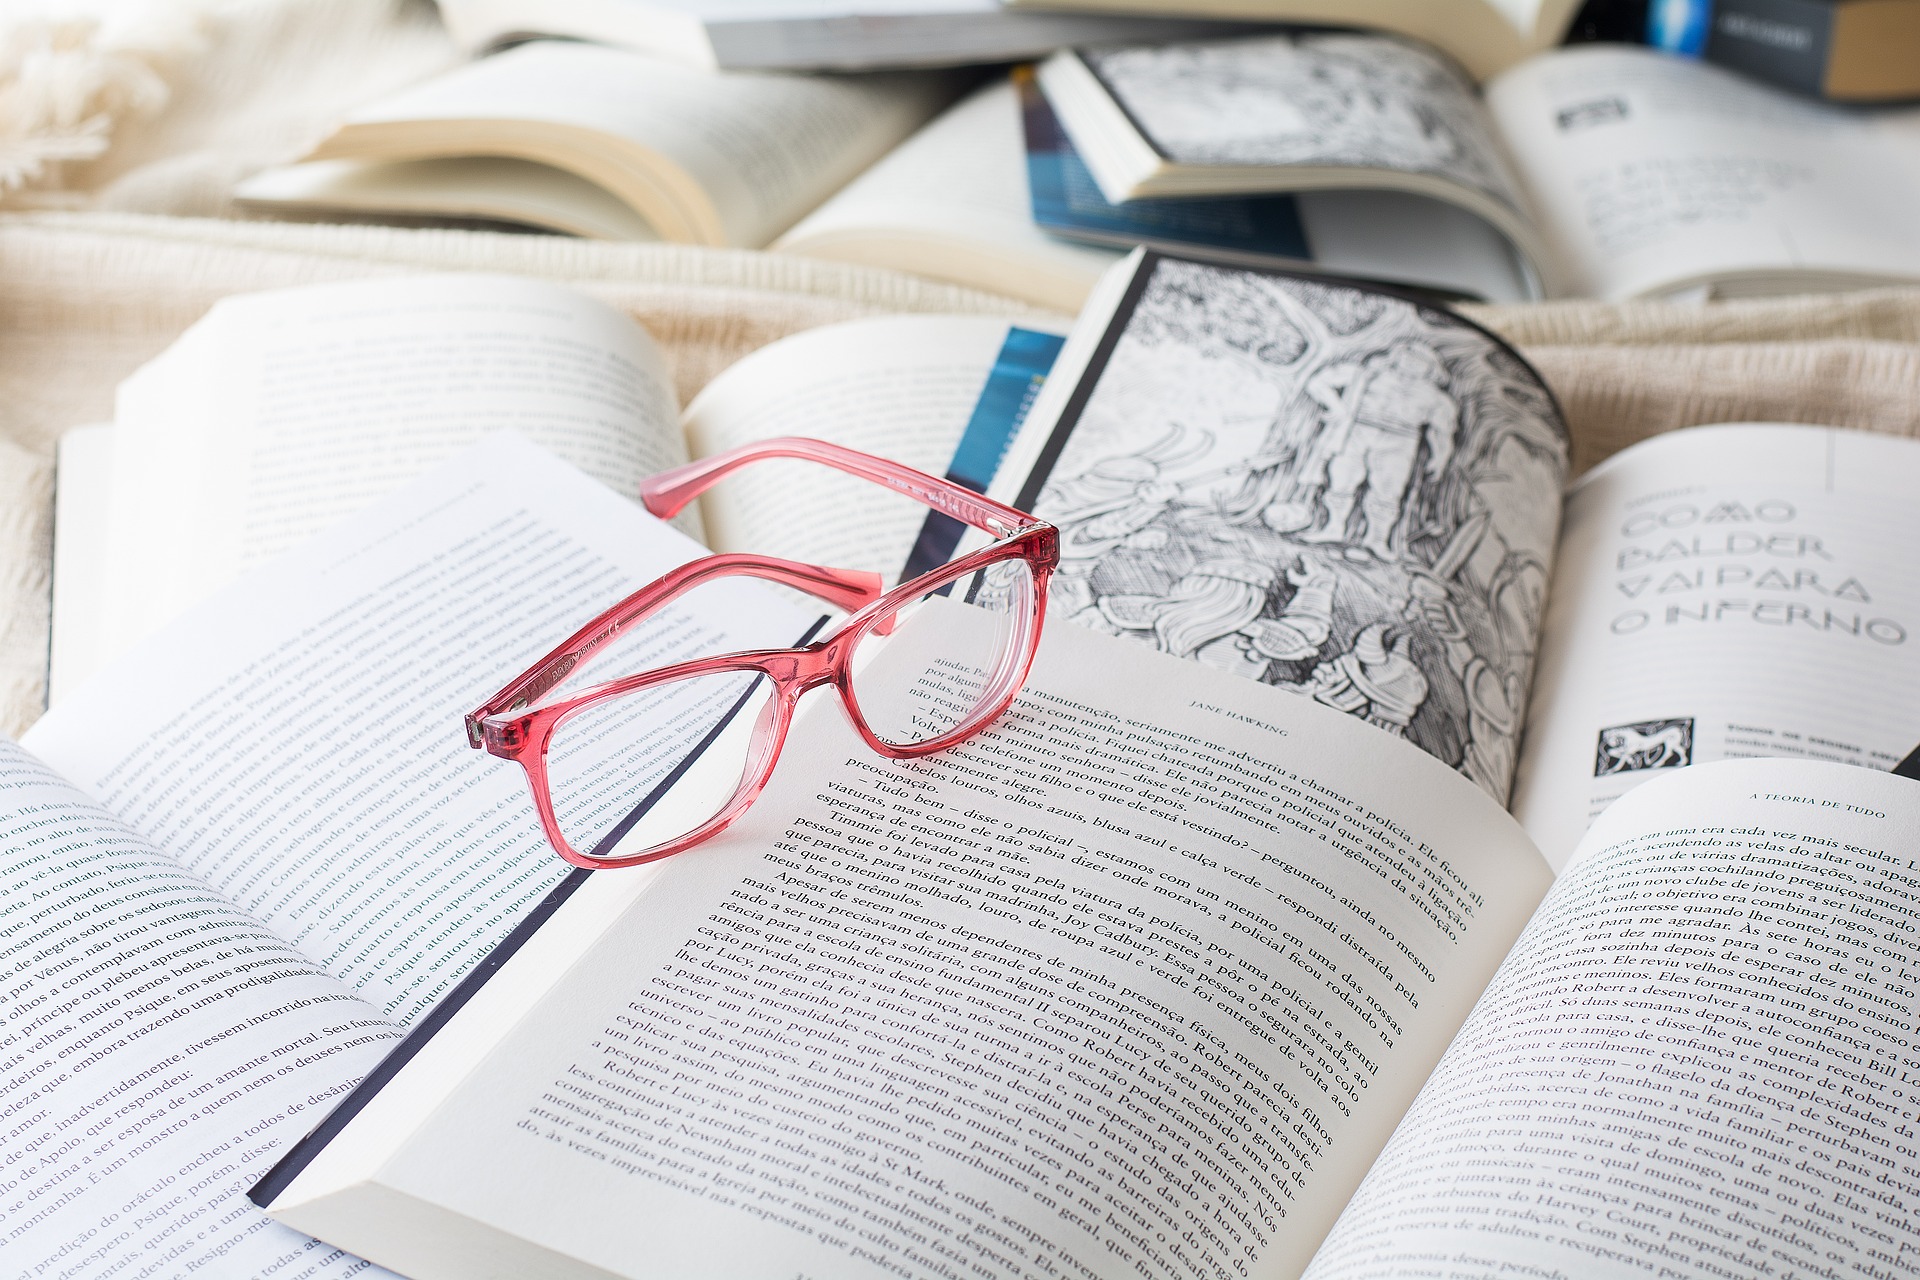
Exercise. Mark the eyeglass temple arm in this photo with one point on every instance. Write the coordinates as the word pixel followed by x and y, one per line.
pixel 667 493
pixel 847 589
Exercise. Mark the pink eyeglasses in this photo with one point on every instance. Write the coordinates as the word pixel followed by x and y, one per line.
pixel 641 766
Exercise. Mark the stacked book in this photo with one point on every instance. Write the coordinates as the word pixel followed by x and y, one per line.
pixel 1407 858
pixel 1375 878
pixel 1444 147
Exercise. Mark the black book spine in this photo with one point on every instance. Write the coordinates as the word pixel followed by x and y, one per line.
pixel 1783 42
pixel 1609 22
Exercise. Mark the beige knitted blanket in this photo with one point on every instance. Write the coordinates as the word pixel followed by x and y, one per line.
pixel 161 116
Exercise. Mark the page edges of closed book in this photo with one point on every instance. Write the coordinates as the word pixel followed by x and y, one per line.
pixel 1118 152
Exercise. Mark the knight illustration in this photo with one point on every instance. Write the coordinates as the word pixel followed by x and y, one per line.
pixel 1377 414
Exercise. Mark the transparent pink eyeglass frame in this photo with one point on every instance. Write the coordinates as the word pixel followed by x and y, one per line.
pixel 510 726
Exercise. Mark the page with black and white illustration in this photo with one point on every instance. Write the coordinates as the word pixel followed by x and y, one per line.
pixel 1289 111
pixel 1392 237
pixel 1724 592
pixel 1698 1061
pixel 1135 983
pixel 1333 490
pixel 1653 174
pixel 1334 98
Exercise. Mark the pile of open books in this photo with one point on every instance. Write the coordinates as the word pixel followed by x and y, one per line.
pixel 1406 859
pixel 1446 145
pixel 1272 933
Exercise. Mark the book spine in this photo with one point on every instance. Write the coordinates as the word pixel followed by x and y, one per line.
pixel 1787 43
pixel 1784 42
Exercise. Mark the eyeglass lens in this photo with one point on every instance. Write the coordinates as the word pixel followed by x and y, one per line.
pixel 933 666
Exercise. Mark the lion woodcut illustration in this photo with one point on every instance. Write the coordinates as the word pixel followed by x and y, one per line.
pixel 1336 491
pixel 1649 744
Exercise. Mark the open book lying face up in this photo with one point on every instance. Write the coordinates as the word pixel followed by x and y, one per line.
pixel 1357 497
pixel 1144 981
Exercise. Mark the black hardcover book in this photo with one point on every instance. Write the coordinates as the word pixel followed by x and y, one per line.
pixel 1843 50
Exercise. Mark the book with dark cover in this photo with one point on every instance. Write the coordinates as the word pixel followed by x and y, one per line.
pixel 1842 50
pixel 1067 202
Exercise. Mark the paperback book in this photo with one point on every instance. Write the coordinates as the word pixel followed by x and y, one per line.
pixel 252 845
pixel 1225 956
pixel 1611 171
pixel 1219 953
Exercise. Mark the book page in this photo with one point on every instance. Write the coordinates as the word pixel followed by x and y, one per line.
pixel 951 202
pixel 1653 173
pixel 1724 592
pixel 1136 981
pixel 161 1047
pixel 476 187
pixel 1319 487
pixel 900 386
pixel 1697 1062
pixel 1377 234
pixel 1311 99
pixel 297 742
pixel 707 157
pixel 282 413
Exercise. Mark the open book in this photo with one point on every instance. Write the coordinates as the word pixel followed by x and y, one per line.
pixel 606 142
pixel 967 200
pixel 1614 172
pixel 281 413
pixel 1177 941
pixel 1357 497
pixel 1361 233
pixel 1146 982
pixel 267 848
pixel 284 852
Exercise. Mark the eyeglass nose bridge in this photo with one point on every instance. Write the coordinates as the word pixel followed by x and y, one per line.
pixel 798 672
